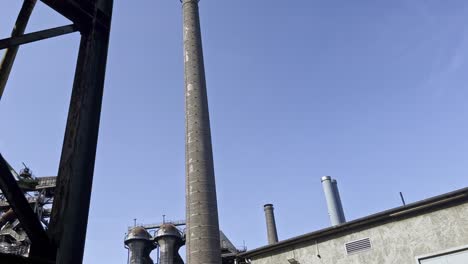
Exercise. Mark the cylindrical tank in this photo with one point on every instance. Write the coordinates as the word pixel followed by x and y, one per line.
pixel 169 240
pixel 333 202
pixel 139 245
pixel 271 224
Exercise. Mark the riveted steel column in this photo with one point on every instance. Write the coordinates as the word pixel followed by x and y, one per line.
pixel 10 54
pixel 202 235
pixel 271 224
pixel 69 218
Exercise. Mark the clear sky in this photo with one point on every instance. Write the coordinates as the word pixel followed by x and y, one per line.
pixel 371 92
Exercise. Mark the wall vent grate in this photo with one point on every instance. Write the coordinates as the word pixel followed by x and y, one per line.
pixel 358 246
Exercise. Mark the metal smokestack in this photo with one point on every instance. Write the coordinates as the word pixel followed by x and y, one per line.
pixel 338 198
pixel 138 242
pixel 333 201
pixel 169 240
pixel 271 224
pixel 202 234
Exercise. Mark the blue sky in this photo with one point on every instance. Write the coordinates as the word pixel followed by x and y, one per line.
pixel 370 92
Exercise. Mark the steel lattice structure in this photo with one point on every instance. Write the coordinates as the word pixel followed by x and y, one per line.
pixel 63 241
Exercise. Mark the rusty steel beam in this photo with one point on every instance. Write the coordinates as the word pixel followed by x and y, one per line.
pixel 40 245
pixel 81 12
pixel 69 218
pixel 38 35
pixel 10 54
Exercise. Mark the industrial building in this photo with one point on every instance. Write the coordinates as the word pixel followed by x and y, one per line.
pixel 432 231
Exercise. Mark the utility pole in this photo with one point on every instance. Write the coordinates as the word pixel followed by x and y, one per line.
pixel 203 242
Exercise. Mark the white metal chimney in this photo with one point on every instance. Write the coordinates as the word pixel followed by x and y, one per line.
pixel 335 208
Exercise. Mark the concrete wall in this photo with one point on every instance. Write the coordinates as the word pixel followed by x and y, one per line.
pixel 397 242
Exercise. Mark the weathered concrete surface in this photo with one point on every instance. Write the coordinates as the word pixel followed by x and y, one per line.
pixel 397 242
pixel 203 245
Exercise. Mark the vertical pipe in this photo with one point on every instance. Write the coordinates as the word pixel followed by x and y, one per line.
pixel 69 218
pixel 167 250
pixel 402 199
pixel 203 239
pixel 332 203
pixel 338 199
pixel 138 250
pixel 271 224
pixel 10 54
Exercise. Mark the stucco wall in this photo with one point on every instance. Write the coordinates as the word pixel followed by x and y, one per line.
pixel 392 243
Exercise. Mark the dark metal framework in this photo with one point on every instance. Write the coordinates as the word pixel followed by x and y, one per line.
pixel 63 242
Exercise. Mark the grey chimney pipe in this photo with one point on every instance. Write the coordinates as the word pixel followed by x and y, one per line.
pixel 338 198
pixel 203 243
pixel 333 201
pixel 271 224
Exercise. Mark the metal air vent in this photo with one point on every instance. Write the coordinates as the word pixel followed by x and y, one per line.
pixel 358 246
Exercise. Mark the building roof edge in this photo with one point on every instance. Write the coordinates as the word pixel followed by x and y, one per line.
pixel 412 209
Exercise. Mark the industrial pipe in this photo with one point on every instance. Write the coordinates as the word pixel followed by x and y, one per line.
pixel 271 224
pixel 333 201
pixel 338 199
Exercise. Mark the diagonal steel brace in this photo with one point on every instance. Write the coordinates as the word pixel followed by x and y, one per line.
pixel 40 243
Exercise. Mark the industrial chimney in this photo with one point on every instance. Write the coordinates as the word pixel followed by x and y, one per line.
pixel 271 224
pixel 335 208
pixel 138 242
pixel 169 240
pixel 338 198
pixel 202 235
